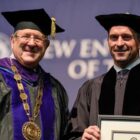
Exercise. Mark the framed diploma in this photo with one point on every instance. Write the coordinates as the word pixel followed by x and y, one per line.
pixel 115 127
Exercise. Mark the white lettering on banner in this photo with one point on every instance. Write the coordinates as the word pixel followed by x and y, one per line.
pixel 99 48
pixel 77 64
pixel 93 67
pixel 79 69
pixel 88 49
pixel 85 49
pixel 59 50
pixel 92 48
pixel 88 59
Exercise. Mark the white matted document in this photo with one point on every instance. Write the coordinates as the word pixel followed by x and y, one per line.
pixel 116 127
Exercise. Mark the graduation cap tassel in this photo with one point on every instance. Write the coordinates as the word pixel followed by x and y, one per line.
pixel 53 27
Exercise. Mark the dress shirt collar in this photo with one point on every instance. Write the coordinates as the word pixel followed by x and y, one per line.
pixel 129 67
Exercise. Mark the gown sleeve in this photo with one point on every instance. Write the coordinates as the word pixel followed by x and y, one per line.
pixel 80 114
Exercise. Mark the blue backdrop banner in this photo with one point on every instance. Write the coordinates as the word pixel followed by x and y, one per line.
pixel 81 52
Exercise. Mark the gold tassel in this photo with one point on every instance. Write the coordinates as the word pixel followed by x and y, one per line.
pixel 53 27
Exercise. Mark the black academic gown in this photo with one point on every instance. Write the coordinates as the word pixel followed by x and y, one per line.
pixel 95 97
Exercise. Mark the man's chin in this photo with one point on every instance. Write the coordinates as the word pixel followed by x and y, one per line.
pixel 121 58
pixel 29 61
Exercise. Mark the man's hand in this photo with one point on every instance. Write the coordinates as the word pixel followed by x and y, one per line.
pixel 91 133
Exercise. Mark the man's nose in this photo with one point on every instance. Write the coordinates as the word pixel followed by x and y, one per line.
pixel 31 40
pixel 120 41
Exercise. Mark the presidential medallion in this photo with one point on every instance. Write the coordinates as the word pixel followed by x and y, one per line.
pixel 31 131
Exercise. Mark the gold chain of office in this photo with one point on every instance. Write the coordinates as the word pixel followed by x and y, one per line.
pixel 30 129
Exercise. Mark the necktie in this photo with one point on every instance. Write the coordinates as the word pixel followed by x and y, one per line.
pixel 122 75
pixel 123 72
pixel 120 90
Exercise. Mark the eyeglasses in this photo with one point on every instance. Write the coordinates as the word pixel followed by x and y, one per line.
pixel 27 37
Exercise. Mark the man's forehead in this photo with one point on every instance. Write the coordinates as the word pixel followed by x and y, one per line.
pixel 121 28
pixel 29 31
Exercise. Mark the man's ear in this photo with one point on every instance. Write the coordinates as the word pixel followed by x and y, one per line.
pixel 47 43
pixel 12 40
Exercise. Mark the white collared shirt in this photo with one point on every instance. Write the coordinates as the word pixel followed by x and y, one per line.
pixel 129 67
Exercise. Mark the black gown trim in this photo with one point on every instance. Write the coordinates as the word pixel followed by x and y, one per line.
pixel 131 104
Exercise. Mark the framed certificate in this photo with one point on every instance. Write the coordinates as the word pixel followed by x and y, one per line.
pixel 115 127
